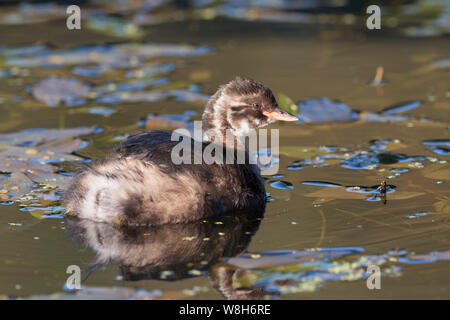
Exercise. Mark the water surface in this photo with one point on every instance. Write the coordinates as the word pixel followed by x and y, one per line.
pixel 112 80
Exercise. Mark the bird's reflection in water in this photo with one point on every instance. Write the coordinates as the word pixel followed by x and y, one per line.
pixel 175 251
pixel 226 279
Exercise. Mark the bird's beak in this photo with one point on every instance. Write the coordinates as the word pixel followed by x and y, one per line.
pixel 279 114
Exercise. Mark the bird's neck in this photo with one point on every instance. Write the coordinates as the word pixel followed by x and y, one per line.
pixel 216 126
pixel 223 136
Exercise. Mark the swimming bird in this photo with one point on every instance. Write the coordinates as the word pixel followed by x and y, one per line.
pixel 140 184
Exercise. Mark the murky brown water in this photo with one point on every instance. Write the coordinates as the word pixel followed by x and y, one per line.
pixel 301 61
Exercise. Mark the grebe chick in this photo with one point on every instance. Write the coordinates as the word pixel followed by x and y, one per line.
pixel 141 185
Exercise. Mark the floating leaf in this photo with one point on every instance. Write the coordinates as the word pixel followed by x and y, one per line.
pixel 426 258
pixel 139 96
pixel 437 142
pixel 27 13
pixel 371 160
pixel 30 50
pixel 48 178
pixel 14 186
pixel 376 117
pixel 443 63
pixel 166 122
pixel 323 110
pixel 272 259
pixel 151 96
pixel 125 86
pixel 401 108
pixel 321 184
pixel 114 26
pixel 150 70
pixel 53 90
pixel 438 146
pixel 187 95
pixel 284 272
pixel 29 155
pixel 32 137
pixel 102 111
pixel 91 71
pixel 287 104
pixel 115 56
pixel 282 185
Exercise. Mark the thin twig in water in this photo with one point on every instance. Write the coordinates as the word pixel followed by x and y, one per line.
pixel 322 229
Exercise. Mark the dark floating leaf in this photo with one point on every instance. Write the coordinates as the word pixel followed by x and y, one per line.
pixel 322 110
pixel 361 161
pixel 441 150
pixel 321 184
pixel 296 167
pixel 371 160
pixel 390 158
pixel 438 146
pixel 283 185
pixel 437 142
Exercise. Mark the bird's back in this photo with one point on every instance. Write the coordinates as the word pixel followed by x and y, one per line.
pixel 141 184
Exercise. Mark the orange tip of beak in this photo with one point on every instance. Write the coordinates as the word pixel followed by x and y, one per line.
pixel 279 114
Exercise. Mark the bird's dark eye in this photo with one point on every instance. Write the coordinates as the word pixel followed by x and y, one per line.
pixel 256 105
